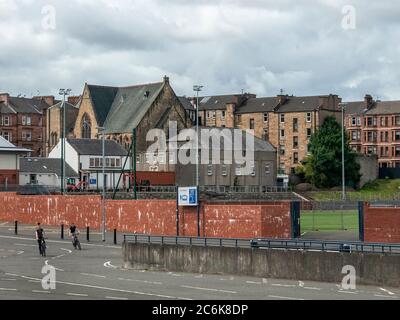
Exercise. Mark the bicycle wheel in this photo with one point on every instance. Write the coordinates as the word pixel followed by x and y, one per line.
pixel 79 245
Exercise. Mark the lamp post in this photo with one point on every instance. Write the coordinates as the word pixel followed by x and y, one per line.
pixel 197 89
pixel 103 204
pixel 63 92
pixel 343 106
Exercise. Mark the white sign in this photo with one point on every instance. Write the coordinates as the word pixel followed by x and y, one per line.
pixel 187 196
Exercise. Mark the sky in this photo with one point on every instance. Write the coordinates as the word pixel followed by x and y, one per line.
pixel 305 47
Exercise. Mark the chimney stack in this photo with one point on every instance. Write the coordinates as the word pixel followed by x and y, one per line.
pixel 4 97
pixel 282 99
pixel 369 101
pixel 166 79
pixel 74 100
pixel 48 99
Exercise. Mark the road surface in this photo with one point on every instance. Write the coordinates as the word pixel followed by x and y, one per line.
pixel 96 273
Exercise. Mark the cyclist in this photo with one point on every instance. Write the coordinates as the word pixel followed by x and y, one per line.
pixel 39 233
pixel 74 232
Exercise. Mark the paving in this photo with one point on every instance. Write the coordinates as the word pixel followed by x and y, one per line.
pixel 96 273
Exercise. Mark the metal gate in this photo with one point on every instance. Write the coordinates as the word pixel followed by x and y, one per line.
pixel 295 218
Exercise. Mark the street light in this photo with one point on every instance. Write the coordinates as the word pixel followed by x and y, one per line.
pixel 197 89
pixel 103 204
pixel 343 106
pixel 63 92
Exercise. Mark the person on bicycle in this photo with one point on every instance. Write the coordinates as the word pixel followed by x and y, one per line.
pixel 39 233
pixel 73 232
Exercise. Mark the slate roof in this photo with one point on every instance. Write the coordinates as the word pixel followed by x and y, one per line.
pixel 355 108
pixel 102 98
pixel 218 102
pixel 45 166
pixel 23 105
pixel 257 105
pixel 185 101
pixel 94 147
pixel 130 106
pixel 385 107
pixel 301 104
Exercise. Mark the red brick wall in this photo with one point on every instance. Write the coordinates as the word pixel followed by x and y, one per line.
pixel 12 175
pixel 381 224
pixel 157 217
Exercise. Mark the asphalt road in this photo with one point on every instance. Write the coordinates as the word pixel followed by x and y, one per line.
pixel 96 273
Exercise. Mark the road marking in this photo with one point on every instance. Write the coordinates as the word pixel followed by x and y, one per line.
pixel 141 281
pixel 77 294
pixel 312 288
pixel 387 291
pixel 351 292
pixel 253 282
pixel 285 298
pixel 109 289
pixel 174 274
pixel 57 257
pixel 39 291
pixel 283 285
pixel 208 289
pixel 69 251
pixel 92 275
pixel 7 289
pixel 109 265
pixel 8 279
pixel 382 296
pixel 3 224
pixel 57 269
pixel 12 275
pixel 24 245
pixel 34 281
pixel 116 298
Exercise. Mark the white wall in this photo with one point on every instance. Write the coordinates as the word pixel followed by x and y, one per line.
pixel 71 156
pixel 9 161
pixel 42 179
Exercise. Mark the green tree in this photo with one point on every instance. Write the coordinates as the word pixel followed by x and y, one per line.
pixel 323 168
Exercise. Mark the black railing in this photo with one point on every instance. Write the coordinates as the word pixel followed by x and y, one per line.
pixel 285 244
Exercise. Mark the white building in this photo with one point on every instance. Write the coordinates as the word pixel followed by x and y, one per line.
pixel 85 157
pixel 44 172
pixel 9 162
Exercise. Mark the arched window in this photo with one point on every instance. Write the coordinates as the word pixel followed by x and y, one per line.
pixel 86 126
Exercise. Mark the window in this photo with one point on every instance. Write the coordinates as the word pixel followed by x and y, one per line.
pixel 268 169
pixel 295 125
pixel 108 162
pixel 239 118
pixel 266 117
pixel 358 121
pixel 295 157
pixel 91 162
pixel 397 121
pixel 397 136
pixel 253 171
pixel 308 117
pixel 238 170
pixel 295 142
pixel 208 115
pixel 26 136
pixel 371 122
pixel 309 132
pixel 97 162
pixel 397 151
pixel 384 121
pixel 7 135
pixel 282 150
pixel 210 170
pixel 6 121
pixel 266 134
pixel 223 115
pixel 117 163
pixel 354 121
pixel 251 124
pixel 86 127
pixel 282 133
pixel 26 120
pixel 224 170
pixel 282 118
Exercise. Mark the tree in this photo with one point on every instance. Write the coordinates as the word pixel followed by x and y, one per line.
pixel 323 168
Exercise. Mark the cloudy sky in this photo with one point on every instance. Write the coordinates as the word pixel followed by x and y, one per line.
pixel 306 47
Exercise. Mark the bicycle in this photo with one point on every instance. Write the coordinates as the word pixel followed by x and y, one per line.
pixel 43 248
pixel 76 243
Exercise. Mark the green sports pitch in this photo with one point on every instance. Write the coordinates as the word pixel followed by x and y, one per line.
pixel 329 220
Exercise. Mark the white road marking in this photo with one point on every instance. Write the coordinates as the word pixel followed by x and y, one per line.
pixel 8 279
pixel 3 224
pixel 116 298
pixel 57 257
pixel 253 282
pixel 69 251
pixel 109 265
pixel 199 276
pixel 92 275
pixel 57 269
pixel 109 289
pixel 351 292
pixel 283 285
pixel 285 298
pixel 209 289
pixel 312 288
pixel 382 296
pixel 12 274
pixel 387 291
pixel 34 281
pixel 7 289
pixel 77 294
pixel 24 245
pixel 39 291
pixel 141 281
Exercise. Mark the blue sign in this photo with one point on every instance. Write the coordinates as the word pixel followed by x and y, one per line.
pixel 187 196
pixel 93 181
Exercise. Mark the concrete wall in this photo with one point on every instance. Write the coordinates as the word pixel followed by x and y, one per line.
pixel 369 168
pixel 371 269
pixel 155 217
pixel 381 224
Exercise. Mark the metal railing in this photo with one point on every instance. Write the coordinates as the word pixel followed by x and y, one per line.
pixel 285 244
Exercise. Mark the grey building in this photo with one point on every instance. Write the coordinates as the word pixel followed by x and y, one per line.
pixel 263 169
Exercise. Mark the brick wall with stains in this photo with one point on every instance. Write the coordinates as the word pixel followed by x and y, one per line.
pixel 381 224
pixel 156 217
